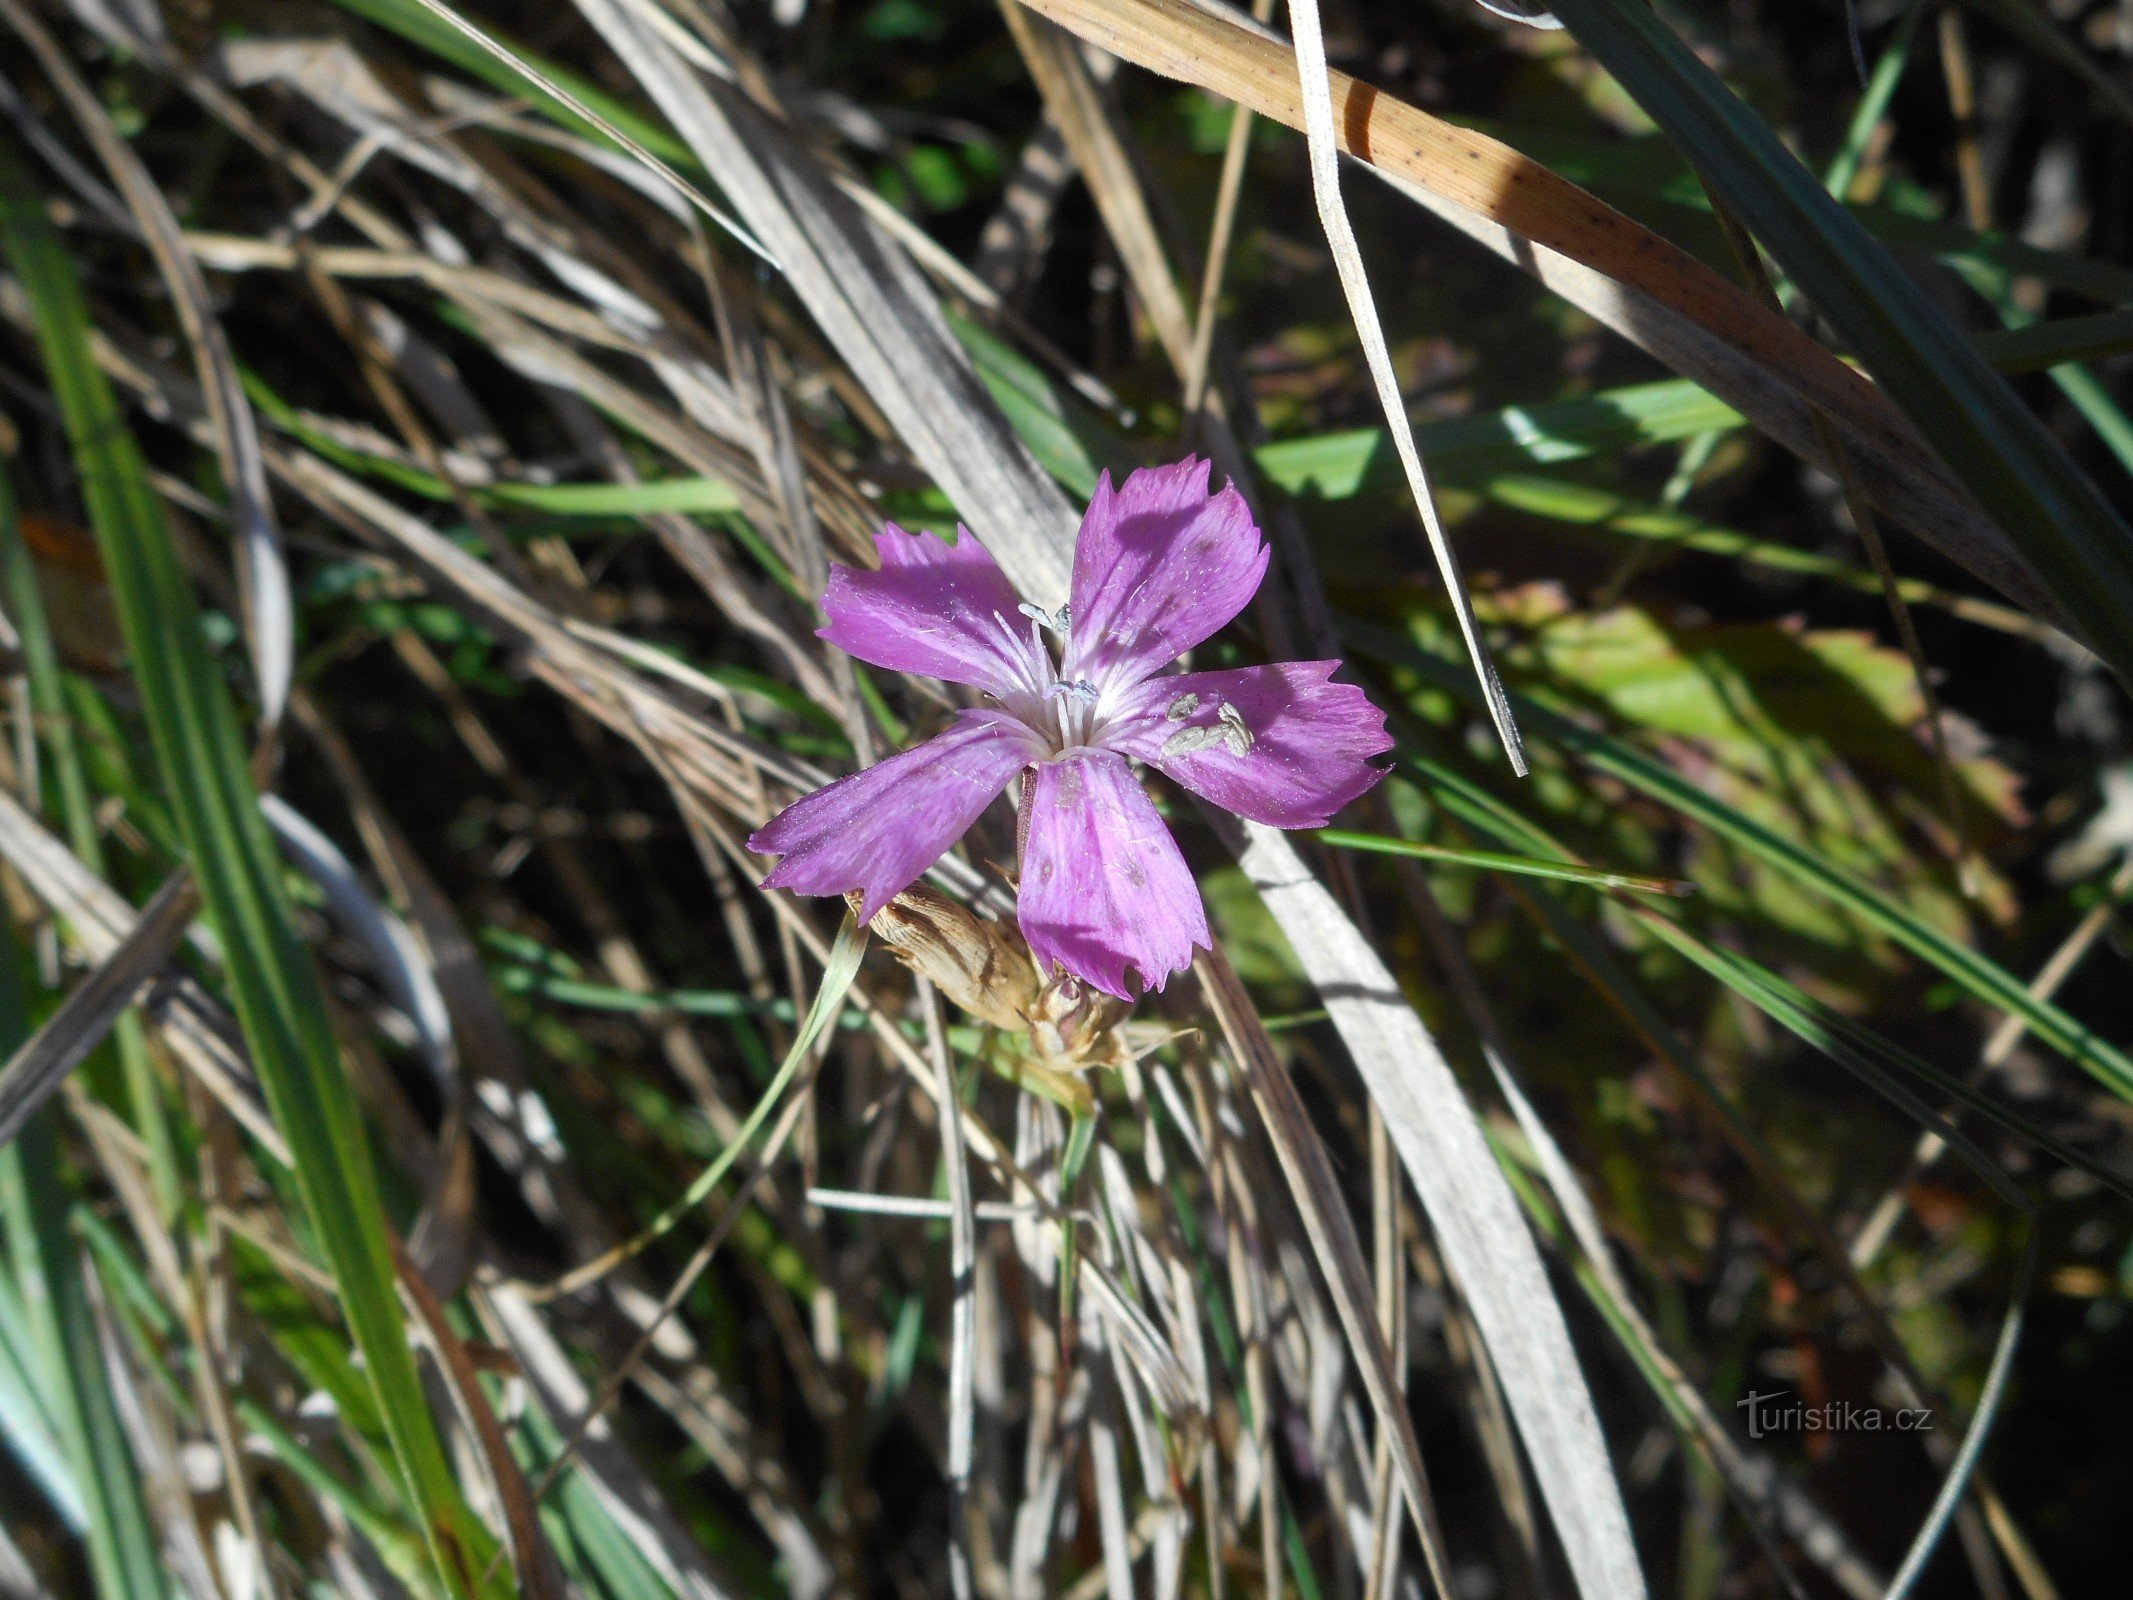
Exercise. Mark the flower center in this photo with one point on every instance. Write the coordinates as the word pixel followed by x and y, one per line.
pixel 1061 711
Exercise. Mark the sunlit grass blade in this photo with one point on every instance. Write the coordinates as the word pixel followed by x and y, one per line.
pixel 201 762
pixel 1581 505
pixel 1493 861
pixel 1466 450
pixel 2076 543
pixel 1333 466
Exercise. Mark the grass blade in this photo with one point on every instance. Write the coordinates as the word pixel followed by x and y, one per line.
pixel 837 975
pixel 1362 311
pixel 1527 866
pixel 54 1296
pixel 35 1071
pixel 1982 977
pixel 201 761
pixel 2077 544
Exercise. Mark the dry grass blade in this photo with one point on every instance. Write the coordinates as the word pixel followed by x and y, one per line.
pixel 98 920
pixel 870 300
pixel 1483 1237
pixel 269 611
pixel 962 1286
pixel 35 1071
pixel 1362 309
pixel 394 956
pixel 1076 99
pixel 1644 287
pixel 1023 522
pixel 1874 1233
pixel 1332 1233
pixel 563 97
pixel 629 1497
pixel 534 1563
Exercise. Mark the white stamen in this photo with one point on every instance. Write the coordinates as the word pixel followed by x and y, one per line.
pixel 1050 621
pixel 1182 707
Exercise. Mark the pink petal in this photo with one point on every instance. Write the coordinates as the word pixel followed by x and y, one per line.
pixel 1160 566
pixel 880 829
pixel 1103 886
pixel 934 608
pixel 1310 749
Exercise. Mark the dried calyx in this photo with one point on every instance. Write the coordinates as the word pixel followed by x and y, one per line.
pixel 1053 1029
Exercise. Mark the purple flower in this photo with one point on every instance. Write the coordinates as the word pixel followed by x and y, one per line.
pixel 1160 565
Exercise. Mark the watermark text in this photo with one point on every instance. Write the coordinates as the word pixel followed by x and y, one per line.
pixel 1783 1412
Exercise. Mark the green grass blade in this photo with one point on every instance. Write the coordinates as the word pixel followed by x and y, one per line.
pixel 1871 1057
pixel 1874 103
pixel 2068 532
pixel 1465 450
pixel 422 27
pixel 1333 466
pixel 2034 346
pixel 838 971
pixel 55 732
pixel 1583 506
pixel 201 761
pixel 29 1425
pixel 1492 861
pixel 54 1294
pixel 1984 979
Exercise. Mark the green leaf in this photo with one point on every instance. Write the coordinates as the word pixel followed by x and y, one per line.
pixel 1333 466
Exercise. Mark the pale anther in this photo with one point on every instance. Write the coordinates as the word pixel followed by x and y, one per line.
pixel 1187 741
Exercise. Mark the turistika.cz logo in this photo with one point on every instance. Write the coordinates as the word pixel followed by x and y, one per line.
pixel 1767 1414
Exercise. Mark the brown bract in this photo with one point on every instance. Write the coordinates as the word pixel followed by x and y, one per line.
pixel 1063 1027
